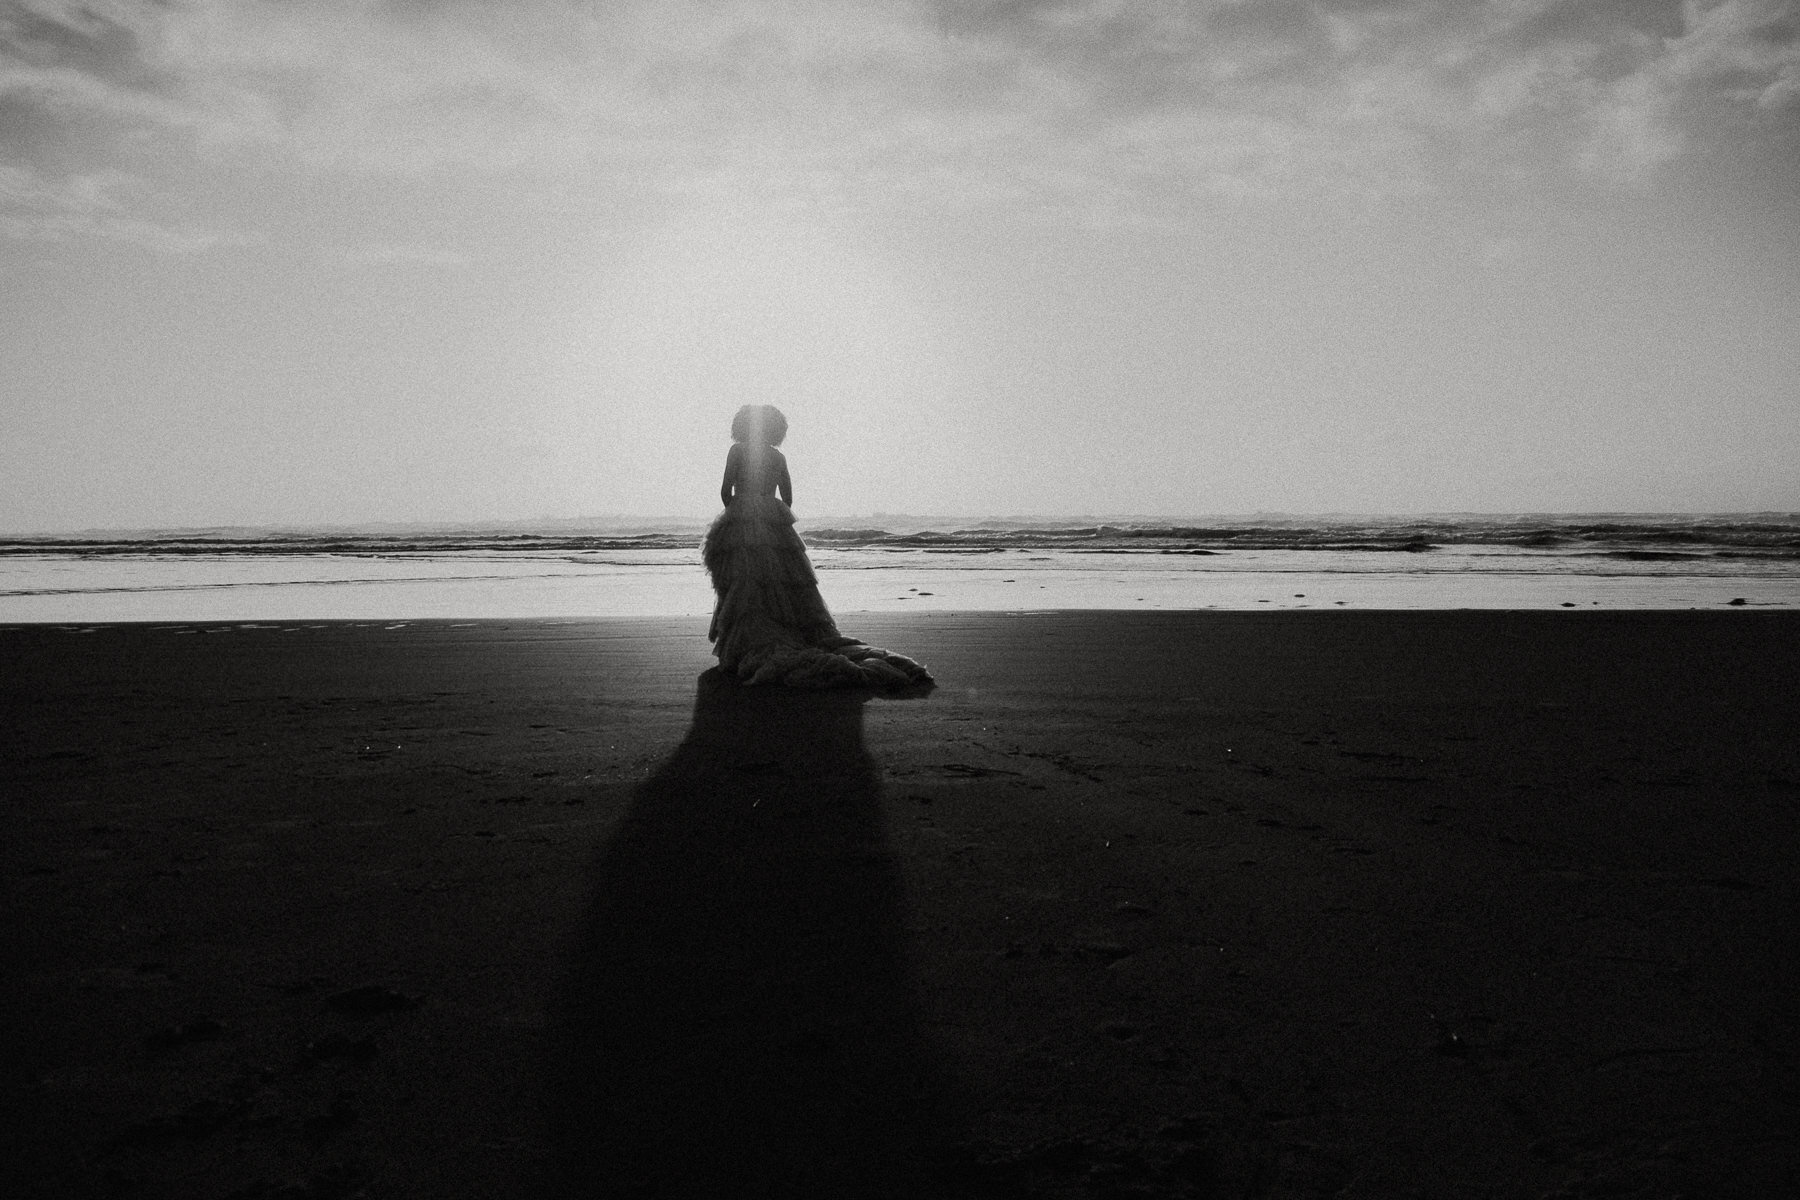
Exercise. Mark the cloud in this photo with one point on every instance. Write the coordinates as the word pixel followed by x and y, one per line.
pixel 1090 109
pixel 1740 50
pixel 147 235
pixel 23 188
pixel 1731 75
pixel 66 65
pixel 95 206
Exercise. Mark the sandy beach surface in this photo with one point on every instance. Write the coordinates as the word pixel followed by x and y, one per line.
pixel 1443 904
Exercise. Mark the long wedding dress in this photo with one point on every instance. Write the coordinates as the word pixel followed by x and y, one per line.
pixel 770 625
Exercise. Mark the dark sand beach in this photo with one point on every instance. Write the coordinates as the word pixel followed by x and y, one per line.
pixel 1444 904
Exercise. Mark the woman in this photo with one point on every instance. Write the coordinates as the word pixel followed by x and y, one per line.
pixel 770 625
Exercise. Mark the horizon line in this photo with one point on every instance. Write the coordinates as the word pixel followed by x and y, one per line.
pixel 618 522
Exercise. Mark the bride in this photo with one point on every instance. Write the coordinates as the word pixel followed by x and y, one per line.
pixel 770 625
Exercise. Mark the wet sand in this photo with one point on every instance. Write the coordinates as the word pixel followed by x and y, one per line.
pixel 1202 904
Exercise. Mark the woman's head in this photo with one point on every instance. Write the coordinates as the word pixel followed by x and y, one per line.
pixel 759 423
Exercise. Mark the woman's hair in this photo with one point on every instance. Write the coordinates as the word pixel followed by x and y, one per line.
pixel 759 423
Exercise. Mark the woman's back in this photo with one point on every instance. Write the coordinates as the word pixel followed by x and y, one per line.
pixel 755 469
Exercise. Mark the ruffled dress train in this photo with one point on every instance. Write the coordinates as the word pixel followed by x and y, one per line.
pixel 770 625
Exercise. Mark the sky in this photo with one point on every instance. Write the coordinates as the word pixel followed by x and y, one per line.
pixel 274 262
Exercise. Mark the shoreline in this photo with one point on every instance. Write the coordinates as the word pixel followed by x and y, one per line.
pixel 672 583
pixel 1467 903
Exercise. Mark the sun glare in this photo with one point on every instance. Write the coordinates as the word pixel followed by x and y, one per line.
pixel 715 309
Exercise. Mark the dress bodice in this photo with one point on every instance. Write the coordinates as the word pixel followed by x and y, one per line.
pixel 756 470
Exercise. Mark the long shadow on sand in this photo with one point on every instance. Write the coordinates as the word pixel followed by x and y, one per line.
pixel 739 1016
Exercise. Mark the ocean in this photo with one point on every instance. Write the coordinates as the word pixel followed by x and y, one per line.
pixel 571 569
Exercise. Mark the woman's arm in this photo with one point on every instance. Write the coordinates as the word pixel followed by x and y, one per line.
pixel 785 486
pixel 733 467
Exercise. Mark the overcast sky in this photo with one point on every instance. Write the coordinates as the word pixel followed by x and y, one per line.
pixel 346 260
